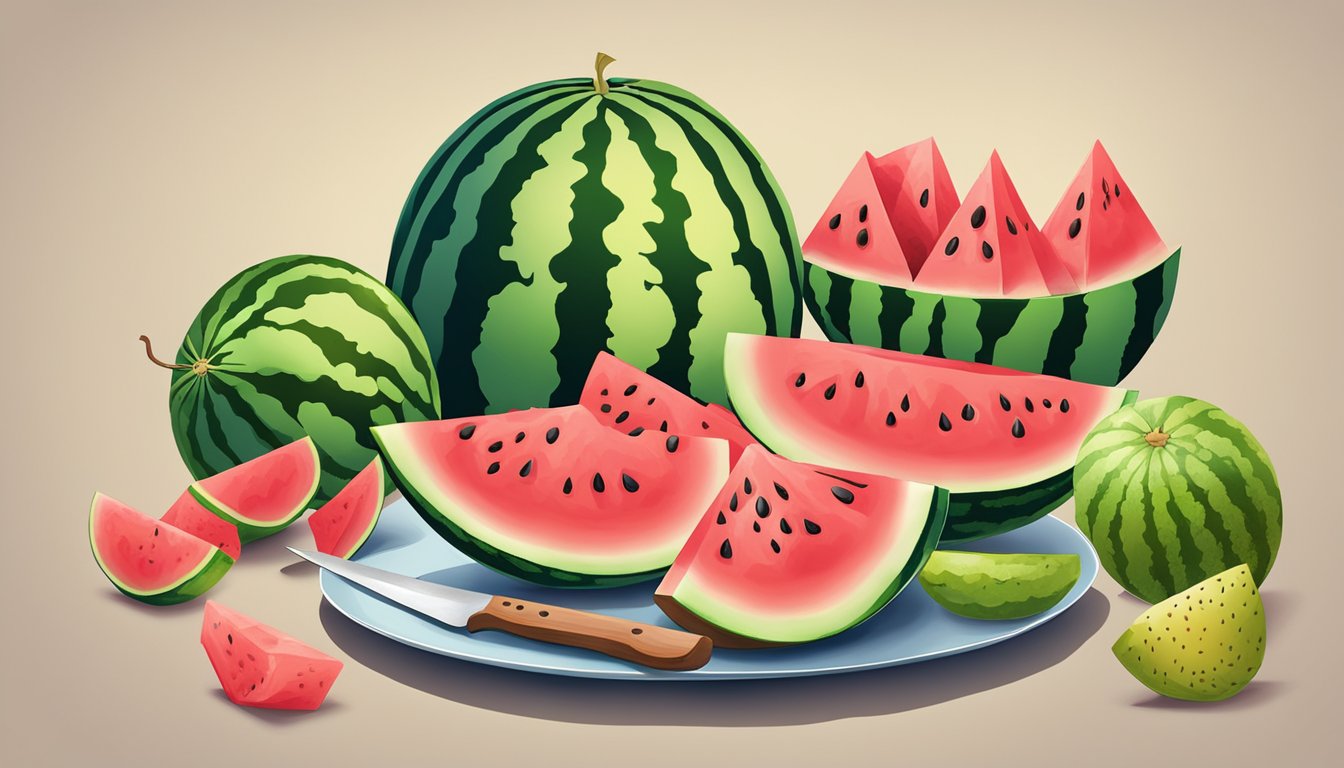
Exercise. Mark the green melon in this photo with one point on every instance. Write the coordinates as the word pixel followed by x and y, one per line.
pixel 986 585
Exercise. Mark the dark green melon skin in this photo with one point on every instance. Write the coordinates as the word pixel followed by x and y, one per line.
pixel 1098 336
pixel 972 516
pixel 557 223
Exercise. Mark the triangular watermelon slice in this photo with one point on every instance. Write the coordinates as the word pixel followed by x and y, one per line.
pixel 1099 229
pixel 188 515
pixel 992 248
pixel 266 494
pixel 919 196
pixel 149 559
pixel 790 553
pixel 343 524
pixel 260 666
pixel 624 397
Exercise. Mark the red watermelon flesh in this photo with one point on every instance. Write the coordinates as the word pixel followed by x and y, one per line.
pixel 992 248
pixel 259 666
pixel 151 560
pixel 919 196
pixel 266 494
pixel 188 515
pixel 1098 228
pixel 624 397
pixel 345 522
pixel 790 552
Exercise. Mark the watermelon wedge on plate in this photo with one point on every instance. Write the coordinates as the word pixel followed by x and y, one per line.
pixel 1002 442
pixel 264 495
pixel 149 559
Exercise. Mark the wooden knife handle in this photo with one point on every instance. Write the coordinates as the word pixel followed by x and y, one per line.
pixel 657 647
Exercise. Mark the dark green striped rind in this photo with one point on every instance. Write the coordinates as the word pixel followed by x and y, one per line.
pixel 299 345
pixel 1164 519
pixel 557 223
pixel 1097 337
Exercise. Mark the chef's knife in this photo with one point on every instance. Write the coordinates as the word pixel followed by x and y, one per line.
pixel 652 646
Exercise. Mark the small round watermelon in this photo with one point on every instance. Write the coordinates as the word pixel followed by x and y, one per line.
pixel 1172 491
pixel 298 346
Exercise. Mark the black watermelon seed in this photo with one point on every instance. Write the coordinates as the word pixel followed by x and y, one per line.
pixel 978 217
pixel 569 485
pixel 495 447
pixel 1117 190
pixel 987 250
pixel 951 247
pixel 466 432
pixel 637 431
pixel 552 435
pixel 798 382
pixel 1079 204
pixel 775 546
pixel 732 502
pixel 784 526
pixel 1075 227
pixel 756 526
pixel 1046 403
pixel 944 423
pixel 1106 204
pixel 863 213
pixel 606 407
pixel 862 238
pixel 811 527
pixel 1018 429
pixel 672 441
pixel 843 495
pixel 526 469
pixel 924 199
pixel 630 390
pixel 762 507
pixel 1064 406
pixel 1012 228
pixel 1003 401
pixel 726 549
pixel 830 392
pixel 629 483
pixel 704 425
pixel 967 412
pixel 782 491
pixel 230 636
pixel 905 404
pixel 1031 408
pixel 858 380
pixel 746 485
pixel 599 484
pixel 721 519
pixel 663 427
pixel 651 399
pixel 518 438
pixel 622 416
pixel 891 419
pixel 492 469
pixel 835 222
pixel 605 393
pixel 1105 188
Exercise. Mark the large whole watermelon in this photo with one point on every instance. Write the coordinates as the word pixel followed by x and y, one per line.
pixel 294 346
pixel 583 215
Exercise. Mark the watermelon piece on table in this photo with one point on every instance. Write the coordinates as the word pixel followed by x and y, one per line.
pixel 624 397
pixel 188 515
pixel 343 524
pixel 264 495
pixel 1099 229
pixel 259 666
pixel 1002 442
pixel 149 559
pixel 552 496
pixel 790 553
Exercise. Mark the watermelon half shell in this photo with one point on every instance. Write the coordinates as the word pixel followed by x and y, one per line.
pixel 551 496
pixel 343 524
pixel 149 559
pixel 259 666
pixel 1002 442
pixel 264 495
pixel 790 553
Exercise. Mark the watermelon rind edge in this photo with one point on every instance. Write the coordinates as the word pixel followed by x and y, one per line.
pixel 250 529
pixel 190 586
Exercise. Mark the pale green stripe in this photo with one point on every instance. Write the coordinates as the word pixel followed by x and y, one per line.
pixel 865 306
pixel 1025 346
pixel 961 337
pixel 1234 519
pixel 1188 514
pixel 1110 319
pixel 820 282
pixel 915 332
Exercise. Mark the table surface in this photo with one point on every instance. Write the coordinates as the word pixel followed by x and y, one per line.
pixel 150 151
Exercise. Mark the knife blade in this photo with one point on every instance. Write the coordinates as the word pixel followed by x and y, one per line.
pixel 646 644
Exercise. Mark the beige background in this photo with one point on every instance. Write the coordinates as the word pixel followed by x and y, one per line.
pixel 151 150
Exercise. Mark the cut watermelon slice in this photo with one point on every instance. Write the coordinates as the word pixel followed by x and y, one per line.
pixel 919 197
pixel 624 397
pixel 790 553
pixel 1098 228
pixel 343 524
pixel 992 248
pixel 259 666
pixel 264 495
pixel 188 515
pixel 1002 442
pixel 149 559
pixel 552 496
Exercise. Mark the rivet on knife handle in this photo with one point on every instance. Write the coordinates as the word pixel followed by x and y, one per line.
pixel 646 644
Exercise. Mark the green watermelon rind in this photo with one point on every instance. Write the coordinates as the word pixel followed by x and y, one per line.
pixel 191 585
pixel 250 529
pixel 1048 334
pixel 999 597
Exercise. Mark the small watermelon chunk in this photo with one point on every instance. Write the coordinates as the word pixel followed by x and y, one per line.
pixel 151 560
pixel 1099 229
pixel 259 666
pixel 188 515
pixel 624 397
pixel 552 496
pixel 343 524
pixel 264 495
pixel 790 553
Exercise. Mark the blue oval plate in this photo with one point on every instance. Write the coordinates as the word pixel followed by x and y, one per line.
pixel 911 628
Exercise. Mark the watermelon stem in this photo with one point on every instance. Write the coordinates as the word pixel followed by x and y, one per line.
pixel 200 367
pixel 1157 438
pixel 600 82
